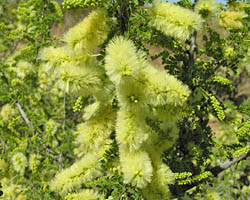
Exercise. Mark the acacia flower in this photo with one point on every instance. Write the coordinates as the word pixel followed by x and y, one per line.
pixel 164 88
pixel 93 134
pixel 121 59
pixel 206 8
pixel 88 34
pixel 130 129
pixel 82 171
pixel 174 20
pixel 6 111
pixel 232 19
pixel 137 168
pixel 19 162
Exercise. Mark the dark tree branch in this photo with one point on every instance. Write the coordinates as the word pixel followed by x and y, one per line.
pixel 227 164
pixel 193 45
pixel 193 48
pixel 124 14
pixel 221 167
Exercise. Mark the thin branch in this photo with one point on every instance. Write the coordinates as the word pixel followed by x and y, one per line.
pixel 119 197
pixel 7 53
pixel 123 15
pixel 193 48
pixel 226 164
pixel 222 63
pixel 193 45
pixel 4 145
pixel 221 167
pixel 64 112
pixel 24 116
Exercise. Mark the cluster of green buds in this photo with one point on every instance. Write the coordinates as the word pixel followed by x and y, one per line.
pixel 78 104
pixel 216 106
pixel 73 4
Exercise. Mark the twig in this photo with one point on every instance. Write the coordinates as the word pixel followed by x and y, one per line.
pixel 221 167
pixel 119 197
pixel 226 164
pixel 12 49
pixel 4 145
pixel 64 112
pixel 123 15
pixel 223 62
pixel 193 45
pixel 24 116
pixel 193 48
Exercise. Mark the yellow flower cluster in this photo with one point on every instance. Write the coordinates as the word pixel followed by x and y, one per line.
pixel 143 93
pixel 174 20
pixel 22 69
pixel 206 8
pixel 19 162
pixel 74 4
pixel 217 107
pixel 138 85
pixel 11 190
pixel 244 150
pixel 125 66
pixel 34 162
pixel 6 112
pixel 92 139
pixel 73 65
pixel 82 171
pixel 232 19
pixel 92 136
pixel 89 33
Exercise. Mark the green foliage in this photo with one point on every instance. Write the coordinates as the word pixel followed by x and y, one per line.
pixel 195 178
pixel 70 4
pixel 78 104
pixel 242 151
pixel 117 188
pixel 243 130
pixel 182 175
pixel 245 108
pixel 222 81
pixel 216 106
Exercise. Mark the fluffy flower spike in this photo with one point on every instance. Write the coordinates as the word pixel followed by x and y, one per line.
pixel 19 162
pixel 232 19
pixel 121 59
pixel 94 134
pixel 164 88
pixel 130 130
pixel 80 172
pixel 174 20
pixel 206 8
pixel 88 34
pixel 6 111
pixel 137 82
pixel 137 168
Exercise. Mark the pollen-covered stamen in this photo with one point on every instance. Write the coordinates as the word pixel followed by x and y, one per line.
pixel 133 99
